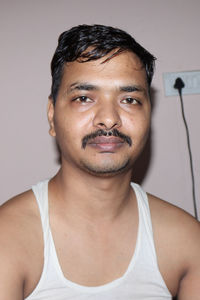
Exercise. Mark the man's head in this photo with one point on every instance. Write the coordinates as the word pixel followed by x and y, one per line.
pixel 91 42
pixel 101 80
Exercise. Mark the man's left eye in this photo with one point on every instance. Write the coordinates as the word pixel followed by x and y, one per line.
pixel 130 100
pixel 83 99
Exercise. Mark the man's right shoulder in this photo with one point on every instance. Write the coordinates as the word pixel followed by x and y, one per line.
pixel 16 213
pixel 20 235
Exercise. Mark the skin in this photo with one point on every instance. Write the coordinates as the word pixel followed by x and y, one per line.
pixel 104 106
pixel 90 210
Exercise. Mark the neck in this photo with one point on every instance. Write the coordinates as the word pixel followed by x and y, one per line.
pixel 91 197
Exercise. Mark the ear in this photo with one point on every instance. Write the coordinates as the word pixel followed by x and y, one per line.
pixel 50 115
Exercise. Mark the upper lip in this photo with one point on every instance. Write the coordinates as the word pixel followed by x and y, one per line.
pixel 106 140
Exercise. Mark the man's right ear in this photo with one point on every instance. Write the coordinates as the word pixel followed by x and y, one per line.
pixel 50 115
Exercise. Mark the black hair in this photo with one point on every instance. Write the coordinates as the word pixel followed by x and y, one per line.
pixel 91 42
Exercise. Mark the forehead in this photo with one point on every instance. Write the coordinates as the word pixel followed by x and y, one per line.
pixel 125 67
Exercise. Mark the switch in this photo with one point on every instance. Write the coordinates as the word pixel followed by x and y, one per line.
pixel 191 80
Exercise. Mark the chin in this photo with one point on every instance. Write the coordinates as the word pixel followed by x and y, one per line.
pixel 106 170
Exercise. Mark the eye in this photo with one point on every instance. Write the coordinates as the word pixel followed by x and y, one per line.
pixel 130 100
pixel 82 99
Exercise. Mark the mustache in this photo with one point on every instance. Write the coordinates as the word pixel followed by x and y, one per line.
pixel 101 132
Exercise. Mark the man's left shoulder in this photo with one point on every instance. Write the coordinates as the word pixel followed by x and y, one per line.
pixel 171 216
pixel 174 221
pixel 177 236
pixel 177 241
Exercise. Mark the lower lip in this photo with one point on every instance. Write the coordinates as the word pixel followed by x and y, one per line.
pixel 106 147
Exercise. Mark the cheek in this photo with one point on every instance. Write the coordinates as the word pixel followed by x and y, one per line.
pixel 70 129
pixel 137 126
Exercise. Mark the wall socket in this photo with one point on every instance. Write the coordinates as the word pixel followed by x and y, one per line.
pixel 190 78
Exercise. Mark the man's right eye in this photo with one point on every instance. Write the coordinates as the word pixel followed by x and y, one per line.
pixel 82 99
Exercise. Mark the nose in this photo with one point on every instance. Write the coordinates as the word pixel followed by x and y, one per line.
pixel 107 117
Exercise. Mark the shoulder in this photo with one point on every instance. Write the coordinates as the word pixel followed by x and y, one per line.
pixel 177 238
pixel 20 232
pixel 172 219
pixel 18 212
pixel 19 217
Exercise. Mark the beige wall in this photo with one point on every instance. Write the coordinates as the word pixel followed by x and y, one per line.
pixel 29 31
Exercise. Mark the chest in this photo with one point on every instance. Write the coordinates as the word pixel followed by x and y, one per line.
pixel 95 257
pixel 102 256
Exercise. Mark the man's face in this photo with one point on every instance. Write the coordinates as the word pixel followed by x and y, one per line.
pixel 102 114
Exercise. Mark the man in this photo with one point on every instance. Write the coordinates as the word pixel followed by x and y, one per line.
pixel 88 233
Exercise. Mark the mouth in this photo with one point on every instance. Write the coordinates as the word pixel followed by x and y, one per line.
pixel 106 140
pixel 106 144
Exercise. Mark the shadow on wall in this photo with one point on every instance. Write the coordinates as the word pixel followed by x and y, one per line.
pixel 142 164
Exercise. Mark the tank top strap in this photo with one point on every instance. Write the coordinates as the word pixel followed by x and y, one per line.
pixel 145 221
pixel 40 191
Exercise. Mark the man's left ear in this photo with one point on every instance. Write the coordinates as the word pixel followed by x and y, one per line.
pixel 50 115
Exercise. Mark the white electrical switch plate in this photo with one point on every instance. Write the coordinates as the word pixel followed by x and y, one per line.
pixel 191 80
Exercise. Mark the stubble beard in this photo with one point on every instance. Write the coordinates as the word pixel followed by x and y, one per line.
pixel 107 166
pixel 108 170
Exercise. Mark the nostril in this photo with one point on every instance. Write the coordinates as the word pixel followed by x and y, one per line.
pixel 106 126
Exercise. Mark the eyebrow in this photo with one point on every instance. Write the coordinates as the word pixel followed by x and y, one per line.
pixel 83 87
pixel 132 88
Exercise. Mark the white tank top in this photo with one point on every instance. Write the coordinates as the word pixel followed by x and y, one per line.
pixel 141 281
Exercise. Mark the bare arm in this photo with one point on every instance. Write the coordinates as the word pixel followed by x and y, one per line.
pixel 177 240
pixel 190 283
pixel 21 247
pixel 11 283
pixel 11 278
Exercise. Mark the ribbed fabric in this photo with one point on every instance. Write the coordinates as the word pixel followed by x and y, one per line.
pixel 141 281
